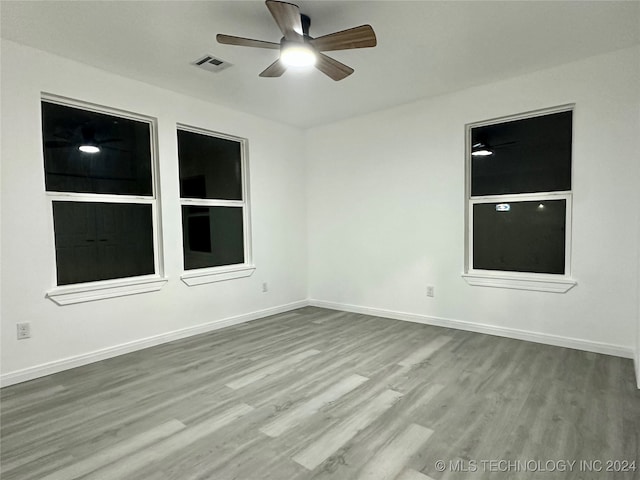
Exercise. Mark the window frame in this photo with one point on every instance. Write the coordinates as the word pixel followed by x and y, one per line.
pixel 101 289
pixel 546 282
pixel 199 276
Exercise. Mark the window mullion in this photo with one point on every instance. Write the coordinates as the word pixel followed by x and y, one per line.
pixel 96 197
pixel 520 197
pixel 207 202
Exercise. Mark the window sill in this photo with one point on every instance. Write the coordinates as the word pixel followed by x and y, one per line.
pixel 221 274
pixel 520 283
pixel 69 295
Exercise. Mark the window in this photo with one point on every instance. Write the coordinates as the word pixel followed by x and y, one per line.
pixel 99 177
pixel 519 201
pixel 215 210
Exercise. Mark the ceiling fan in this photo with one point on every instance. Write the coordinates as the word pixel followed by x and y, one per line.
pixel 84 139
pixel 298 49
pixel 482 149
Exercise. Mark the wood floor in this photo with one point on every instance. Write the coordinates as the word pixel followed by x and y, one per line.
pixel 319 394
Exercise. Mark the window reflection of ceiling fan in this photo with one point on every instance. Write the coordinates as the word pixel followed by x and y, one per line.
pixel 298 49
pixel 481 149
pixel 84 139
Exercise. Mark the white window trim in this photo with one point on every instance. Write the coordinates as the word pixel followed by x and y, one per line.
pixel 507 279
pixel 503 280
pixel 99 290
pixel 218 274
pixel 201 276
pixel 87 292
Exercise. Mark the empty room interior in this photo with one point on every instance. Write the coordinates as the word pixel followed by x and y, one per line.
pixel 342 240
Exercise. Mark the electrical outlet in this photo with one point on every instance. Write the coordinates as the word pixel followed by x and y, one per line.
pixel 265 287
pixel 24 330
pixel 431 291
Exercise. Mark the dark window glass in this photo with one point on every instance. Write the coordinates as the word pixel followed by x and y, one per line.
pixel 210 167
pixel 122 164
pixel 101 241
pixel 198 226
pixel 520 236
pixel 213 236
pixel 529 155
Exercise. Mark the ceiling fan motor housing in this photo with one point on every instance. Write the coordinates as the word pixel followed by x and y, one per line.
pixel 306 23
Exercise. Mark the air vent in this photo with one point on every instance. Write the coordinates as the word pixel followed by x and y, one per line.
pixel 211 63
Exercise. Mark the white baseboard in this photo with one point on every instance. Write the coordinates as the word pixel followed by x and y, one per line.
pixel 56 366
pixel 575 343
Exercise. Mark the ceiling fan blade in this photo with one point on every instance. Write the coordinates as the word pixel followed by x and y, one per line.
pixel 107 140
pixel 356 37
pixel 333 68
pixel 276 69
pixel 505 144
pixel 245 42
pixel 65 135
pixel 287 16
pixel 107 147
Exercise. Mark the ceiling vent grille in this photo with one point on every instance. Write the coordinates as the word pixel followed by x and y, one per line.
pixel 211 63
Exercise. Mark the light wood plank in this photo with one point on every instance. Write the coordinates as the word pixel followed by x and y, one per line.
pixel 126 468
pixel 390 461
pixel 116 452
pixel 295 416
pixel 425 352
pixel 266 371
pixel 340 434
pixel 409 474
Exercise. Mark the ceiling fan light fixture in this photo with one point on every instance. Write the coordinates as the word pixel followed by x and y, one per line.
pixel 480 150
pixel 298 55
pixel 89 149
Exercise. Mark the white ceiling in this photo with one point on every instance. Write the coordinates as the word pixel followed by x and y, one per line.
pixel 424 48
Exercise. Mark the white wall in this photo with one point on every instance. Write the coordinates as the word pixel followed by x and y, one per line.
pixel 386 209
pixel 65 336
